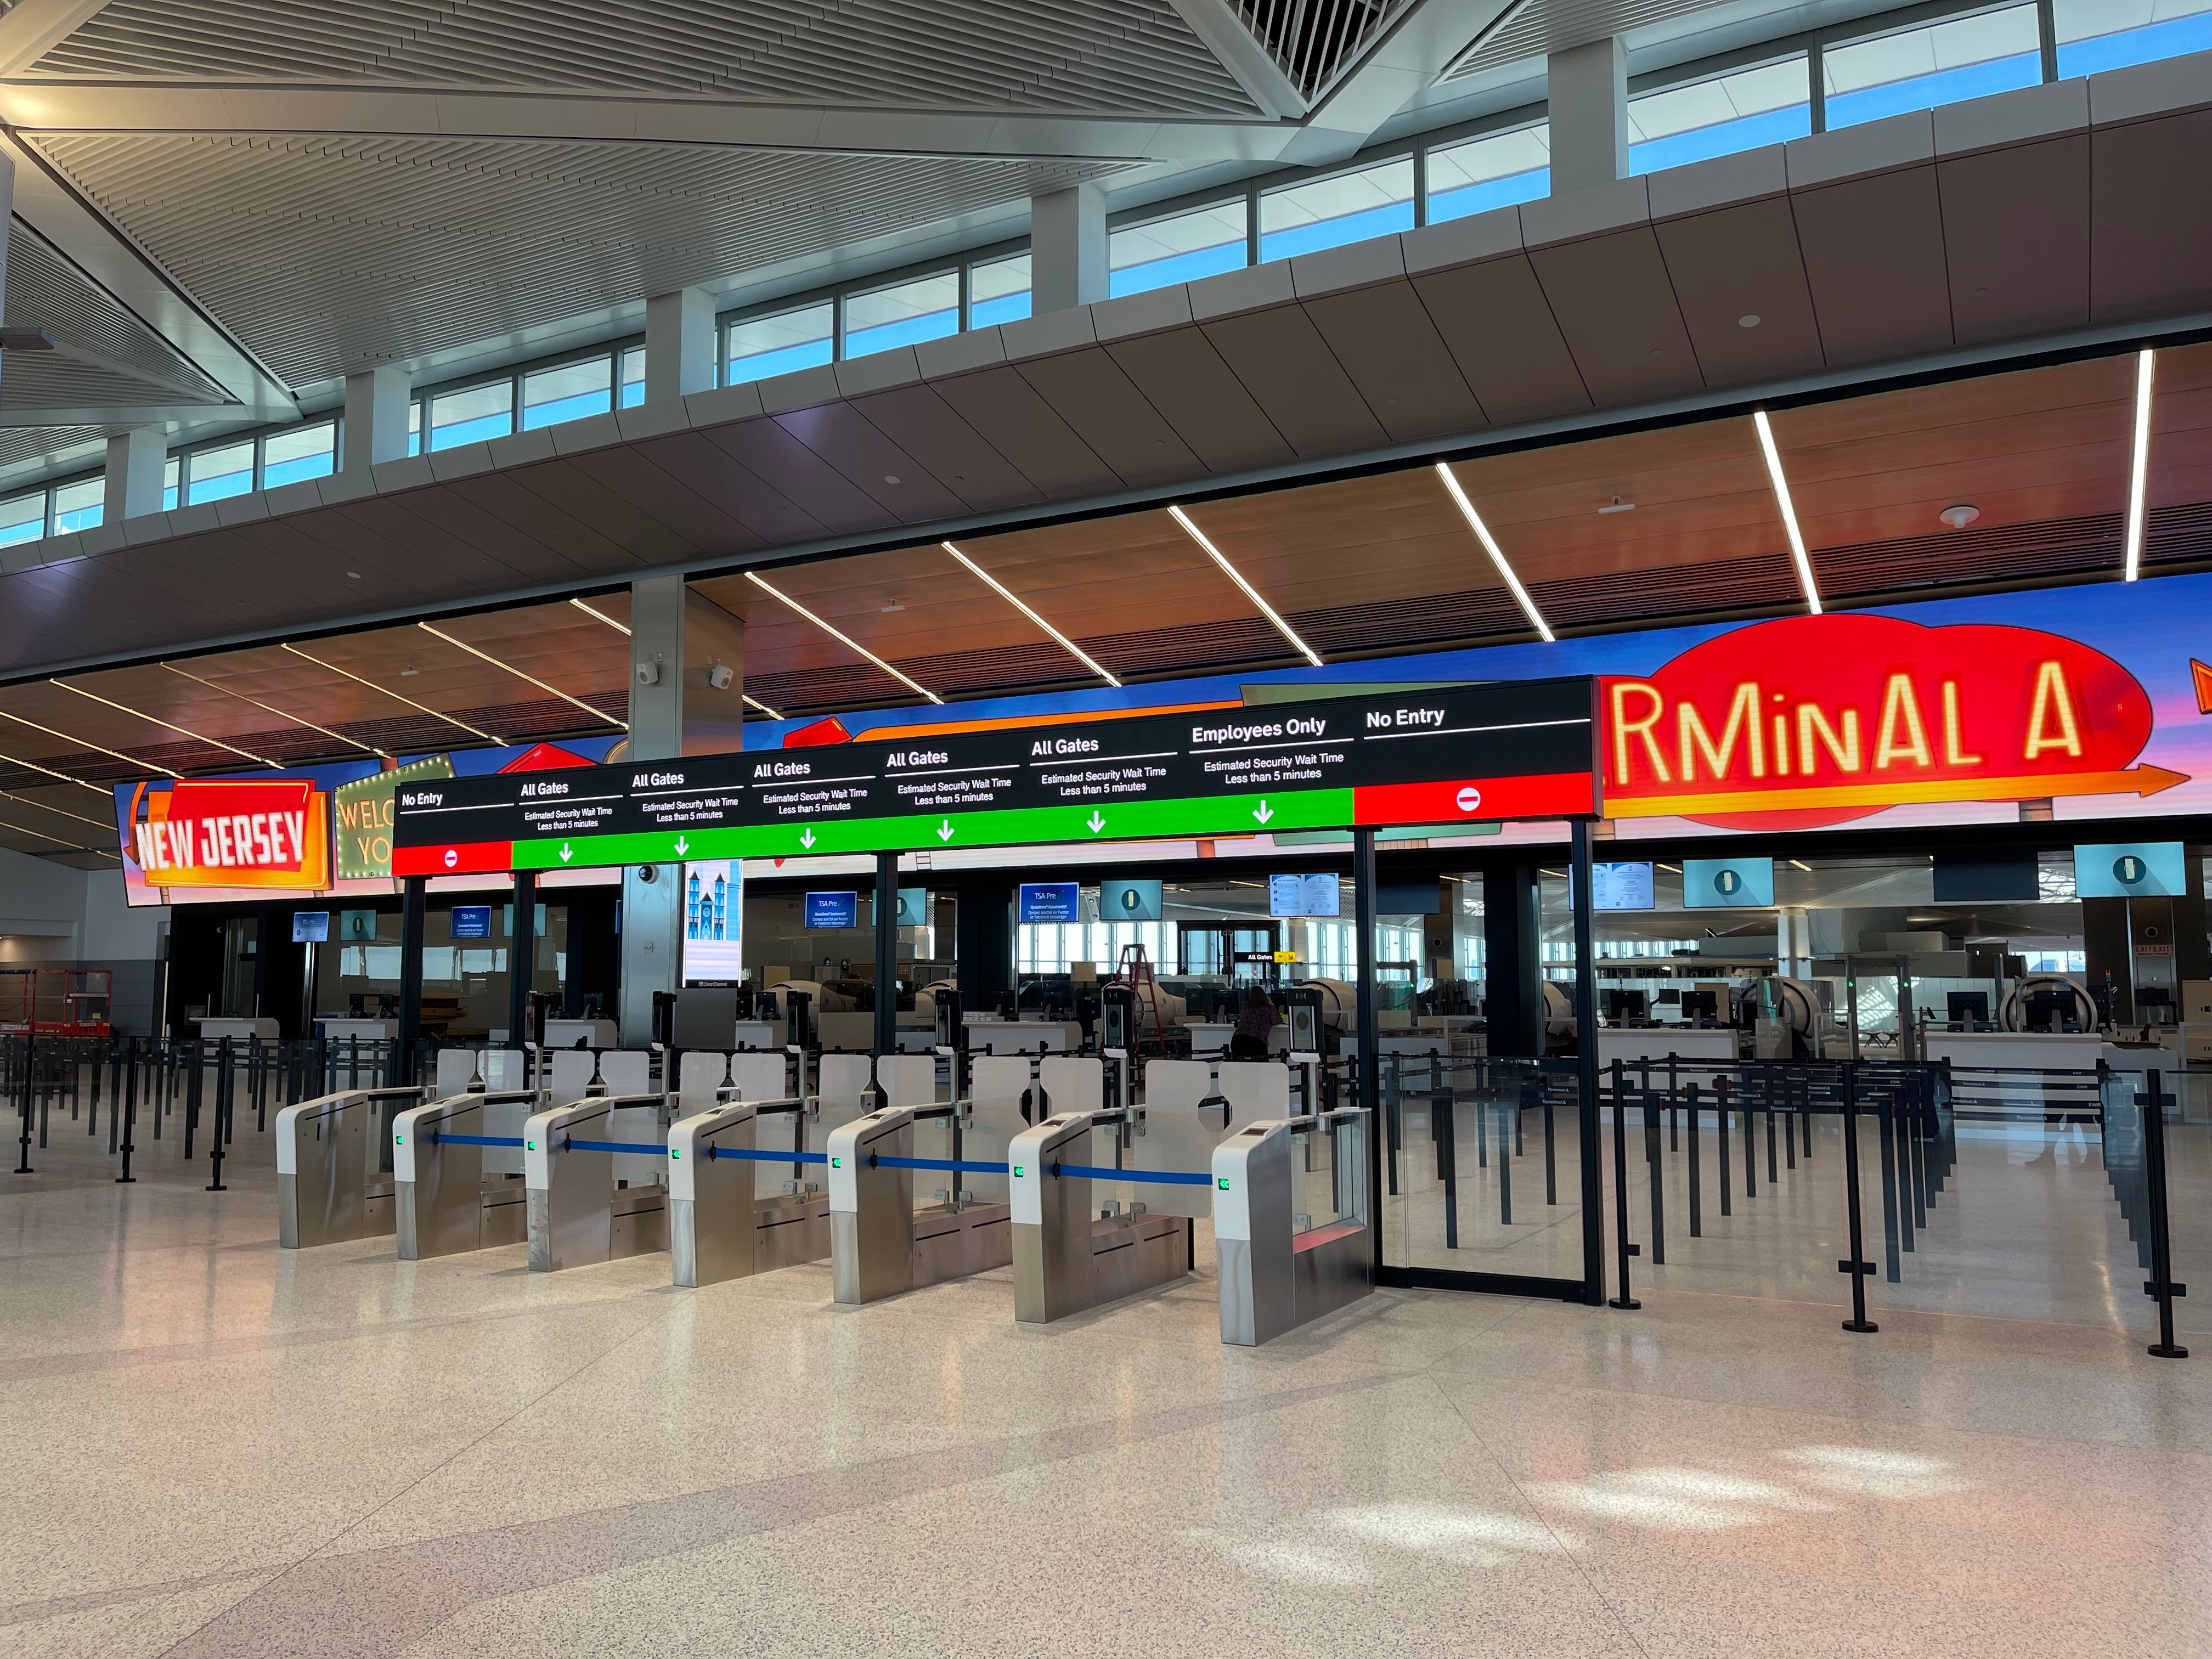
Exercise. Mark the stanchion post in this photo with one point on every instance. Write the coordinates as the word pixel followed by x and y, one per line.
pixel 1587 1130
pixel 1857 1266
pixel 219 1131
pixel 1622 1247
pixel 30 1070
pixel 128 1116
pixel 2161 1285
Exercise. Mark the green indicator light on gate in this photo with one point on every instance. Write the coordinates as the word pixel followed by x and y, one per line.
pixel 673 1154
pixel 529 1146
pixel 1222 1181
pixel 836 1163
pixel 1017 1171
pixel 399 1140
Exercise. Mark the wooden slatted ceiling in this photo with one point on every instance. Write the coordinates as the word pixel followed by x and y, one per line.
pixel 1362 564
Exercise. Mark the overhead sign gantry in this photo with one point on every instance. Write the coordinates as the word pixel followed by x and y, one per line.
pixel 1471 754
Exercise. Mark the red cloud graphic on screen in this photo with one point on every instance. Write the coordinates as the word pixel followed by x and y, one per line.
pixel 1811 720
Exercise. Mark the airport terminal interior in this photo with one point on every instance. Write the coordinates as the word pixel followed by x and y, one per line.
pixel 1229 826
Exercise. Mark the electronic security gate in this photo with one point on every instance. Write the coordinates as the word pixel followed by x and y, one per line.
pixel 1067 1256
pixel 879 1244
pixel 446 1203
pixel 577 1214
pixel 1291 1238
pixel 329 1187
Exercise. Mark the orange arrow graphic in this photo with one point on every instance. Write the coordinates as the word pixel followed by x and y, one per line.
pixel 2200 676
pixel 2129 781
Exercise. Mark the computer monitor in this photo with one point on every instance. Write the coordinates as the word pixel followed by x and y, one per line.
pixel 1967 1004
pixel 1620 1005
pixel 1701 1008
pixel 2049 1010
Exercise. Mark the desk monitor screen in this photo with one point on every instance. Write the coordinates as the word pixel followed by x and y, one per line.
pixel 1703 1005
pixel 1967 1004
pixel 1618 1006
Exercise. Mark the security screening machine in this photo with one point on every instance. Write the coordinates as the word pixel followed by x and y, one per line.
pixel 446 1203
pixel 329 1188
pixel 1067 1256
pixel 879 1244
pixel 1286 1257
pixel 577 1214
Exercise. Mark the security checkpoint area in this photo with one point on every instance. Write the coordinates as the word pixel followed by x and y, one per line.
pixel 1390 817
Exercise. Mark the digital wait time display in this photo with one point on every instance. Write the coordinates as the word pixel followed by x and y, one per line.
pixel 1471 754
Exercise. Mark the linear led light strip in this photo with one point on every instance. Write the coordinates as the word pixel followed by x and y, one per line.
pixel 86 743
pixel 1250 592
pixel 107 825
pixel 1065 643
pixel 104 793
pixel 1497 556
pixel 1797 553
pixel 622 629
pixel 2139 466
pixel 394 695
pixel 847 638
pixel 155 720
pixel 267 709
pixel 472 650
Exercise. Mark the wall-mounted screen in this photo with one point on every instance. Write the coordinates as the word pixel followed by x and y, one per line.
pixel 1622 886
pixel 472 921
pixel 714 920
pixel 914 907
pixel 2140 869
pixel 1315 894
pixel 1130 900
pixel 833 910
pixel 310 927
pixel 1727 883
pixel 1051 901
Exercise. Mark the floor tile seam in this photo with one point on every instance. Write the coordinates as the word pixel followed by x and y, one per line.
pixel 318 1551
pixel 1618 1614
pixel 60 1607
pixel 119 1359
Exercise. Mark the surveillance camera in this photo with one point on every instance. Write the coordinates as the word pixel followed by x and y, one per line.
pixel 649 872
pixel 648 673
pixel 719 676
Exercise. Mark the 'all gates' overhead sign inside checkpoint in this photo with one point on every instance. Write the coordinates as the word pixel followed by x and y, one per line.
pixel 1469 754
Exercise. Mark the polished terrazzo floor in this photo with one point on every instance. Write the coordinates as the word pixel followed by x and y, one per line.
pixel 211 1449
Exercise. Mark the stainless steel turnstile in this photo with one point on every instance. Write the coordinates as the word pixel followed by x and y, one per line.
pixel 1067 1256
pixel 331 1186
pixel 446 1202
pixel 722 1224
pixel 1291 1222
pixel 577 1214
pixel 879 1244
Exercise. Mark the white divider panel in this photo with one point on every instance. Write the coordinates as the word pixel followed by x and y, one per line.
pixel 843 1088
pixel 502 1069
pixel 767 1076
pixel 696 1081
pixel 1174 1136
pixel 1256 1090
pixel 629 1072
pixel 455 1067
pixel 572 1074
pixel 1073 1083
pixel 996 1084
pixel 911 1079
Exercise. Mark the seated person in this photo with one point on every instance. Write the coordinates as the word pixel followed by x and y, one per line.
pixel 1258 1019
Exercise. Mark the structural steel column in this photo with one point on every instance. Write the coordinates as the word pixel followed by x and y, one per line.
pixel 375 418
pixel 413 924
pixel 679 344
pixel 887 874
pixel 521 957
pixel 1369 1043
pixel 1068 264
pixel 1586 1067
pixel 1587 89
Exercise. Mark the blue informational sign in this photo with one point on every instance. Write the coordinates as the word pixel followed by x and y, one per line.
pixel 472 922
pixel 833 910
pixel 1051 901
pixel 1130 900
pixel 2140 869
pixel 1622 886
pixel 1316 895
pixel 914 907
pixel 1727 883
pixel 310 927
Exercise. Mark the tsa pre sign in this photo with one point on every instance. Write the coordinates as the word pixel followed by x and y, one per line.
pixel 272 834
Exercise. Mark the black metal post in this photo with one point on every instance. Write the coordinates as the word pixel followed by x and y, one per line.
pixel 521 959
pixel 219 1131
pixel 413 922
pixel 1586 1064
pixel 1656 1170
pixel 1370 1042
pixel 1857 1266
pixel 887 953
pixel 129 1114
pixel 1623 1249
pixel 2162 1284
pixel 30 1069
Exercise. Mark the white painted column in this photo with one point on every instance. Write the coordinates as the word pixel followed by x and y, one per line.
pixel 1588 89
pixel 680 644
pixel 1067 249
pixel 135 462
pixel 679 344
pixel 375 417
